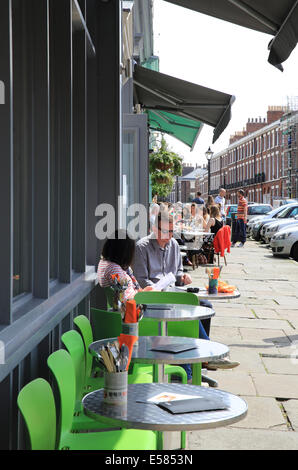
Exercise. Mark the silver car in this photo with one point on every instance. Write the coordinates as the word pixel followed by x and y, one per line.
pixel 285 242
pixel 275 227
pixel 286 211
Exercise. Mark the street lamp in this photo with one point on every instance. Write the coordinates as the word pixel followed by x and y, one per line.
pixel 208 155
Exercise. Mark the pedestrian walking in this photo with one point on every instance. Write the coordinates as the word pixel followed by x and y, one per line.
pixel 198 199
pixel 239 229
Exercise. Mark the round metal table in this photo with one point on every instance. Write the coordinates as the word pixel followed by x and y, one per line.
pixel 142 352
pixel 151 417
pixel 167 312
pixel 204 294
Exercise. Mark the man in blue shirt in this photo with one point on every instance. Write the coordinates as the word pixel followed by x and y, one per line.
pixel 220 199
pixel 198 199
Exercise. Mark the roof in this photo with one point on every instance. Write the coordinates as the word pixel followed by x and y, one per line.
pixel 193 175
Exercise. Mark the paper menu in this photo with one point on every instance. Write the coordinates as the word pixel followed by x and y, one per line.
pixel 167 396
pixel 165 281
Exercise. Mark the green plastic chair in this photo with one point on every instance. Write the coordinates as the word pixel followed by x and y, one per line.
pixel 178 328
pixel 37 405
pixel 109 322
pixel 73 342
pixel 61 365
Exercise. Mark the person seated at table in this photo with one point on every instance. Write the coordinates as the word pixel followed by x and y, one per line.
pixel 196 218
pixel 156 256
pixel 116 258
pixel 215 222
pixel 206 217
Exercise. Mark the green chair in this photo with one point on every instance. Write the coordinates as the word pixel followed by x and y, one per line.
pixel 73 342
pixel 178 328
pixel 37 406
pixel 109 322
pixel 61 365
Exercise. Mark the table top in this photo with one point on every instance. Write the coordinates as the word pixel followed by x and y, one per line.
pixel 142 353
pixel 204 294
pixel 151 417
pixel 195 233
pixel 169 312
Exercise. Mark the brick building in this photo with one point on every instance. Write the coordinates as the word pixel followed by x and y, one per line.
pixel 261 159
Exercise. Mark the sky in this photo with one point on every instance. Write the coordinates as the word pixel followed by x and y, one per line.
pixel 226 57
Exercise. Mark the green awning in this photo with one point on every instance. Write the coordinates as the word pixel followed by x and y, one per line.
pixel 184 129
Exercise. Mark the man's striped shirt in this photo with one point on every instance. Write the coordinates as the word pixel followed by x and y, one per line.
pixel 242 209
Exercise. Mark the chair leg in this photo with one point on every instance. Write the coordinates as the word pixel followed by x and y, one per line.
pixel 209 381
pixel 225 260
pixel 193 260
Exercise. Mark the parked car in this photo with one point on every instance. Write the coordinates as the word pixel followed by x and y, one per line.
pixel 231 209
pixel 285 242
pixel 279 212
pixel 258 209
pixel 278 225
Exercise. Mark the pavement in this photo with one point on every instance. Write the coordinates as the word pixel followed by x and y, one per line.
pixel 261 330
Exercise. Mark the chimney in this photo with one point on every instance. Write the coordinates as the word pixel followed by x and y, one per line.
pixel 274 113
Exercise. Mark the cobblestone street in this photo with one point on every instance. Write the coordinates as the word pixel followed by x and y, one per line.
pixel 261 330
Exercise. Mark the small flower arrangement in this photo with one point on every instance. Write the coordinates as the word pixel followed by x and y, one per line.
pixel 119 285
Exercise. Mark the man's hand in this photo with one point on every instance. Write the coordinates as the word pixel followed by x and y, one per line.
pixel 148 288
pixel 186 279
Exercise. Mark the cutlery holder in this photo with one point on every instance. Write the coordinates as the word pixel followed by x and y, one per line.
pixel 115 387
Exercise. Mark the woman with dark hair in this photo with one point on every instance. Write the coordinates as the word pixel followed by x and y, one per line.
pixel 117 256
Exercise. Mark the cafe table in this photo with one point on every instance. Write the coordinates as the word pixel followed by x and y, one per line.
pixel 204 294
pixel 138 413
pixel 144 351
pixel 164 313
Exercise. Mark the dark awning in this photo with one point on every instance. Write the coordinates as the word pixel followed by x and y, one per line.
pixel 276 17
pixel 157 91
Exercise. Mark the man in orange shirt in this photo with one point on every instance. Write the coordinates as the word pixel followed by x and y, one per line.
pixel 239 230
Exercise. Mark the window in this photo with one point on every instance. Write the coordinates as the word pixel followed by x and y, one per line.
pixel 22 155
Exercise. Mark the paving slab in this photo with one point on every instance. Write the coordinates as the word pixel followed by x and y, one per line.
pixel 291 408
pixel 277 365
pixel 263 313
pixel 242 439
pixel 276 385
pixel 269 336
pixel 263 413
pixel 250 360
pixel 251 323
pixel 233 312
pixel 239 383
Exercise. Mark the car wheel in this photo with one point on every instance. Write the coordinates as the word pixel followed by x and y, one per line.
pixel 258 236
pixel 294 252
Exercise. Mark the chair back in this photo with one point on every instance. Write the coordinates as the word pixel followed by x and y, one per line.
pixel 109 293
pixel 148 327
pixel 37 405
pixel 105 324
pixel 222 240
pixel 84 327
pixel 178 298
pixel 61 365
pixel 74 344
